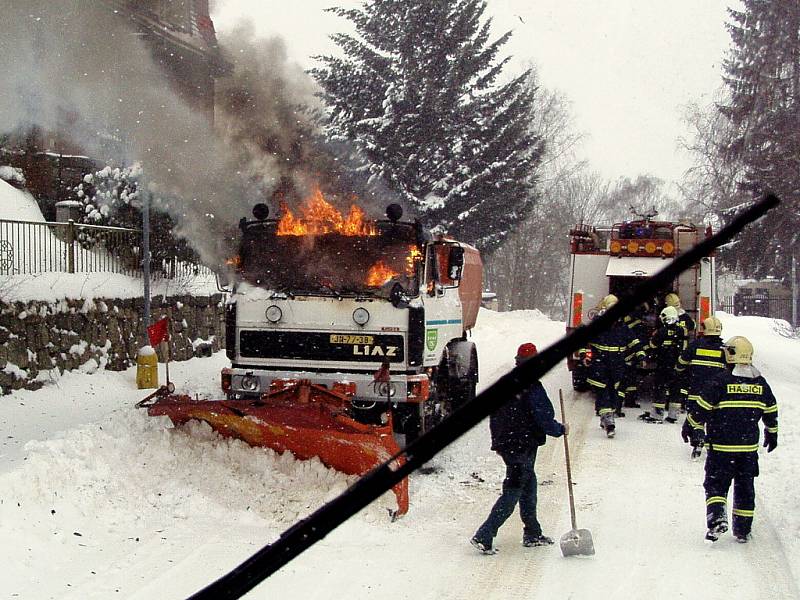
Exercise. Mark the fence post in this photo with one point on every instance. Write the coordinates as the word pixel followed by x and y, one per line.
pixel 794 291
pixel 71 246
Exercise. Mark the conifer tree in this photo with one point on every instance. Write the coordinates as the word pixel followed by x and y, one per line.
pixel 763 77
pixel 417 91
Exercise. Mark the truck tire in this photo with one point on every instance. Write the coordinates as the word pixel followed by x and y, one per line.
pixel 463 390
pixel 407 421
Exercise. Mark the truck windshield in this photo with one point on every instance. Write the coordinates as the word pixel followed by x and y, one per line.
pixel 332 263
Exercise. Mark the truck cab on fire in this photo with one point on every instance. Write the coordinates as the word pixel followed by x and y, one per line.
pixel 377 310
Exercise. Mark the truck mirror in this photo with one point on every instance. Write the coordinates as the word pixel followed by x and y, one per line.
pixel 455 263
pixel 223 281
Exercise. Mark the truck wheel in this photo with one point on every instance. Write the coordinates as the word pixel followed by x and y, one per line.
pixel 463 390
pixel 407 421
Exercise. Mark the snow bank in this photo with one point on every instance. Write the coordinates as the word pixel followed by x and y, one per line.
pixel 16 205
pixel 97 500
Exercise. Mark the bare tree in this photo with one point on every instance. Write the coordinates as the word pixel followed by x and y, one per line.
pixel 711 185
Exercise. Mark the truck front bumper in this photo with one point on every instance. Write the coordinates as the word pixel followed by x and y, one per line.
pixel 249 383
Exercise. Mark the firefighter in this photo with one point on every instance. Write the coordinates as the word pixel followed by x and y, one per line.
pixel 638 336
pixel 665 347
pixel 725 416
pixel 686 322
pixel 701 359
pixel 608 367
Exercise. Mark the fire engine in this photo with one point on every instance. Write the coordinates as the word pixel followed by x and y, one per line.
pixel 611 260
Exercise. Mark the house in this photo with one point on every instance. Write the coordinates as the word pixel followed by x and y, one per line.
pixel 180 35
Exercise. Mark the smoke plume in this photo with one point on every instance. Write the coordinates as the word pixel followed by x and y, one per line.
pixel 83 69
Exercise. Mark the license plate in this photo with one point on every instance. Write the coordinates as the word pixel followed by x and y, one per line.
pixel 352 339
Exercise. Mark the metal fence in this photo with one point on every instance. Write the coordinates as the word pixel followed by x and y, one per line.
pixel 28 247
pixel 758 305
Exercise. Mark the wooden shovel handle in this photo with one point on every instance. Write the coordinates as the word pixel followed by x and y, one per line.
pixel 569 468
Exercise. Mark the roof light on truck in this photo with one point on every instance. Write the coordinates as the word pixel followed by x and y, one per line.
pixel 261 211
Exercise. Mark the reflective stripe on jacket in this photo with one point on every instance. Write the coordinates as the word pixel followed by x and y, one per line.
pixel 730 407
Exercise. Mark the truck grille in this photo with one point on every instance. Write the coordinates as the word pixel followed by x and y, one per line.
pixel 346 347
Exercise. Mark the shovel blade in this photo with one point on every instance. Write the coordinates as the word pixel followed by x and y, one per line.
pixel 577 542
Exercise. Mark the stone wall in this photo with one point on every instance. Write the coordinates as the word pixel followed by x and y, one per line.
pixel 38 337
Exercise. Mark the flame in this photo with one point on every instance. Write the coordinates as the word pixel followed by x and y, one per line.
pixel 235 262
pixel 379 274
pixel 414 256
pixel 319 217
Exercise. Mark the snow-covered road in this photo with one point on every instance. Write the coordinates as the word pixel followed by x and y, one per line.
pixel 98 500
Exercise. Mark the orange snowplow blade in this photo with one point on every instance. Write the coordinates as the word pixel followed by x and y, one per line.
pixel 306 419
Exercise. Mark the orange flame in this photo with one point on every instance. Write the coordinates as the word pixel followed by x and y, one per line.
pixel 414 256
pixel 320 217
pixel 379 274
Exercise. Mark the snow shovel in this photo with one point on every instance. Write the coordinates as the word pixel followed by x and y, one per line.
pixel 576 541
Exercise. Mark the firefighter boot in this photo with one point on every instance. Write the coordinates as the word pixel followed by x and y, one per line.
pixel 672 413
pixel 715 529
pixel 657 416
pixel 607 423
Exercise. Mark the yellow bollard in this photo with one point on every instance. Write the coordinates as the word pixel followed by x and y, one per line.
pixel 147 368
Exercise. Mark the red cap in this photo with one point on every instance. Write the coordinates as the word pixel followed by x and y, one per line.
pixel 527 350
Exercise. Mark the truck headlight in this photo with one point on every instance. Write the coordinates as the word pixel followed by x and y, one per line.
pixel 385 389
pixel 361 316
pixel 250 383
pixel 274 314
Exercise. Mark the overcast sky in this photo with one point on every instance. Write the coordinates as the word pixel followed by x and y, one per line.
pixel 627 66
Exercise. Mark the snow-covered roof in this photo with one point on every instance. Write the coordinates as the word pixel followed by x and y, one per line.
pixel 17 205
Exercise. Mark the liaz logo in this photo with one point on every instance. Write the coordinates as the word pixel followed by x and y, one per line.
pixel 365 350
pixel 431 338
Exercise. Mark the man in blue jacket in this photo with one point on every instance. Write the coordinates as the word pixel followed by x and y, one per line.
pixel 518 429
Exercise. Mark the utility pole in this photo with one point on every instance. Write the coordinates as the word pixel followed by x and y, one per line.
pixel 794 291
pixel 146 258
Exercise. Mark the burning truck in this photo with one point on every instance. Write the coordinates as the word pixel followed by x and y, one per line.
pixel 347 336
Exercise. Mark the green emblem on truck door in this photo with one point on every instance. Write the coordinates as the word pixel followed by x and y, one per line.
pixel 431 337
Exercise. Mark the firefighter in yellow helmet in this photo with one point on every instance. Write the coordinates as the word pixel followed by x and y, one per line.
pixel 686 322
pixel 702 359
pixel 607 368
pixel 725 416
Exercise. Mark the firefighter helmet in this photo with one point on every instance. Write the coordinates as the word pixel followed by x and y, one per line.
pixel 669 315
pixel 672 299
pixel 608 302
pixel 711 326
pixel 738 350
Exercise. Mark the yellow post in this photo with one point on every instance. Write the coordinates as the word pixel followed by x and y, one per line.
pixel 147 368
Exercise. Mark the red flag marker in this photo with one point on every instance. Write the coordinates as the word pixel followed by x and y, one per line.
pixel 158 331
